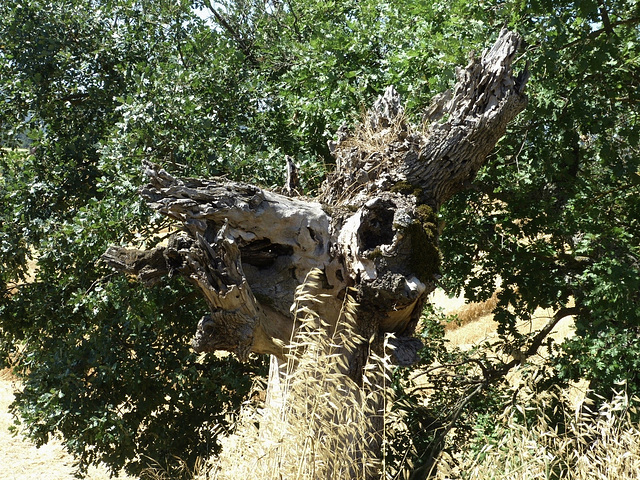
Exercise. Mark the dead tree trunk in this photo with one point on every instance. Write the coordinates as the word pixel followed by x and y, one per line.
pixel 373 227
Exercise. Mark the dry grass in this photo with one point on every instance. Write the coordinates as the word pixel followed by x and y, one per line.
pixel 472 312
pixel 369 138
pixel 366 150
pixel 604 445
pixel 318 425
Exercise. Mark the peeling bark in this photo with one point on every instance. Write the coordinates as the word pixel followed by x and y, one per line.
pixel 372 229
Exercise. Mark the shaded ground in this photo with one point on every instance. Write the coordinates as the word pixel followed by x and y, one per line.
pixel 477 326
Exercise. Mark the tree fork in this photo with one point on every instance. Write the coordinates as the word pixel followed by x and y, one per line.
pixel 373 227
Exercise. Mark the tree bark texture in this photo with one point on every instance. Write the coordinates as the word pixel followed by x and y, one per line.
pixel 372 229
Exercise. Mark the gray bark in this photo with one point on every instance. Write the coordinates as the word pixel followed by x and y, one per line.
pixel 373 227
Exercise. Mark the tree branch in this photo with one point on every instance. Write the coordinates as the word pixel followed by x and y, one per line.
pixel 596 33
pixel 476 113
pixel 464 126
pixel 605 17
pixel 235 35
pixel 537 340
pixel 535 343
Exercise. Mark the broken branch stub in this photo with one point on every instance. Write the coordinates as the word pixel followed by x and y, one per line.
pixel 373 227
pixel 463 126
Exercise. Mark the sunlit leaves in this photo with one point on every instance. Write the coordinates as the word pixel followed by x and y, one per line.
pixel 105 364
pixel 565 177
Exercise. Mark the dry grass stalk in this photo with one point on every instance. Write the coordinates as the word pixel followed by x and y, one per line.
pixel 603 445
pixel 157 471
pixel 370 138
pixel 366 154
pixel 321 426
pixel 472 312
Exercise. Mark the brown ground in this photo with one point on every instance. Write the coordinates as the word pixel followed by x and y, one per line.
pixel 476 321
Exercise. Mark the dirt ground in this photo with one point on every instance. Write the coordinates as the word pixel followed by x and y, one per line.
pixel 21 460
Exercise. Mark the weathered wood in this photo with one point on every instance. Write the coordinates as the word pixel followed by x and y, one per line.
pixel 485 99
pixel 373 227
pixel 463 126
pixel 238 242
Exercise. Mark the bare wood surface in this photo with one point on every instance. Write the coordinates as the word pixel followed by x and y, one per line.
pixel 373 228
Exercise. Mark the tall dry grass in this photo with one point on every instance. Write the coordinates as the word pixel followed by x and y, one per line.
pixel 318 424
pixel 602 445
pixel 471 312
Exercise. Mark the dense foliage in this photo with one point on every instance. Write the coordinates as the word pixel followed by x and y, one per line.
pixel 232 87
pixel 555 213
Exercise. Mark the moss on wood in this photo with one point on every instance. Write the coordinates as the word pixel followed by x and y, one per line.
pixel 406 188
pixel 425 255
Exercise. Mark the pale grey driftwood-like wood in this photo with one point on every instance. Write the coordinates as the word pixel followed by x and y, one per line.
pixel 373 228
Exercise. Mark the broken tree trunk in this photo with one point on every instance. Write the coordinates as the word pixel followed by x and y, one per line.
pixel 373 227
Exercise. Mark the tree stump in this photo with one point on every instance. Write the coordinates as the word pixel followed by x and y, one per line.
pixel 372 229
